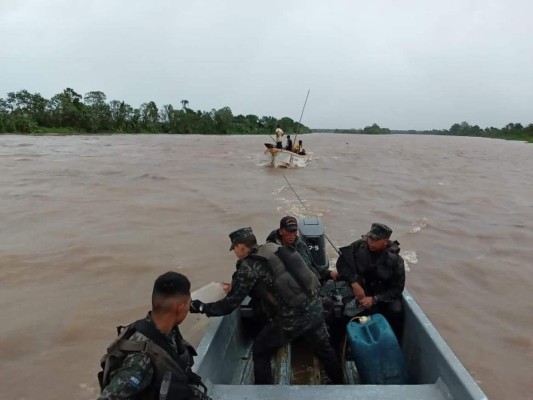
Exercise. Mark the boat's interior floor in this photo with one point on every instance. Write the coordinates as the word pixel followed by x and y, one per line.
pixel 294 364
pixel 299 375
pixel 225 363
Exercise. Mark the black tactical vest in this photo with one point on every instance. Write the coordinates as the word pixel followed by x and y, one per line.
pixel 163 359
pixel 381 267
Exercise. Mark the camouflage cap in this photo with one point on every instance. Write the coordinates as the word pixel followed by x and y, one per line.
pixel 239 235
pixel 379 231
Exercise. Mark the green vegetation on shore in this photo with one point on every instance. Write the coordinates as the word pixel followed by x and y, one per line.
pixel 375 129
pixel 69 113
pixel 511 131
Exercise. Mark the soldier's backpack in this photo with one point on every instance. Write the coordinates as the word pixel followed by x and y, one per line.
pixel 114 357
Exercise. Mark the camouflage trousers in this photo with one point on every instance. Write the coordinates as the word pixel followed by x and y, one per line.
pixel 273 336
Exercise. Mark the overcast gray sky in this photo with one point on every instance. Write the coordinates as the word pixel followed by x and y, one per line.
pixel 410 64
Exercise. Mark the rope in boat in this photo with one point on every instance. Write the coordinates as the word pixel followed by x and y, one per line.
pixel 307 211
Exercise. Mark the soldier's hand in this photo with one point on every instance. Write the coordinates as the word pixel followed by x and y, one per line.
pixel 358 291
pixel 196 307
pixel 226 286
pixel 198 394
pixel 367 302
pixel 333 274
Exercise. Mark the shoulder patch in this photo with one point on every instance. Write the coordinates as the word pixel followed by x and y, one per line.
pixel 134 381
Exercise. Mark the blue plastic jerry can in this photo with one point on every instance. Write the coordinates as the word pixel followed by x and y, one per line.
pixel 376 352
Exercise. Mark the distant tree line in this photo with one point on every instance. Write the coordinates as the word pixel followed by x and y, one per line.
pixel 514 131
pixel 510 131
pixel 70 112
pixel 374 129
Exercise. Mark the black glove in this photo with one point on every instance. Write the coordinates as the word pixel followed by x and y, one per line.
pixel 196 307
pixel 199 394
pixel 178 391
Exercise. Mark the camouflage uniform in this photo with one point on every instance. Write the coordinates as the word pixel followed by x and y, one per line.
pixel 249 273
pixel 134 377
pixel 288 324
pixel 322 272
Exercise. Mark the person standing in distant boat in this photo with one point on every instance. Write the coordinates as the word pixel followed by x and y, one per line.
pixel 279 134
pixel 289 143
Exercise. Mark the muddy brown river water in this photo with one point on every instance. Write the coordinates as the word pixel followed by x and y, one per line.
pixel 88 223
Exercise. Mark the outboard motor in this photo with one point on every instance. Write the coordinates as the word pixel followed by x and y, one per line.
pixel 338 300
pixel 312 232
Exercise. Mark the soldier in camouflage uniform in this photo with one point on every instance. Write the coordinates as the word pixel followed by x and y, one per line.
pixel 287 235
pixel 376 272
pixel 290 322
pixel 131 370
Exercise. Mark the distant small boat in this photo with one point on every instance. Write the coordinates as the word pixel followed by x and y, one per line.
pixel 286 159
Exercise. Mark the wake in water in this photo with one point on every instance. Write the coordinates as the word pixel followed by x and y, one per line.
pixel 410 258
pixel 418 225
pixel 295 208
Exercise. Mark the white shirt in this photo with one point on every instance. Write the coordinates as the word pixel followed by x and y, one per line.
pixel 279 134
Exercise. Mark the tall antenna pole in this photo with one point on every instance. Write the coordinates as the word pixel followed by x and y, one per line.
pixel 301 115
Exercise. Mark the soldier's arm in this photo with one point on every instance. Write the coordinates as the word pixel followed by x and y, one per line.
pixel 346 271
pixel 397 284
pixel 241 285
pixel 128 381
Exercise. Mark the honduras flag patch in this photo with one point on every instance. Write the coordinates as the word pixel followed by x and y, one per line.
pixel 134 381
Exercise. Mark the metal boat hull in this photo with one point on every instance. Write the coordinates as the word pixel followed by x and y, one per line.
pixel 224 362
pixel 286 159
